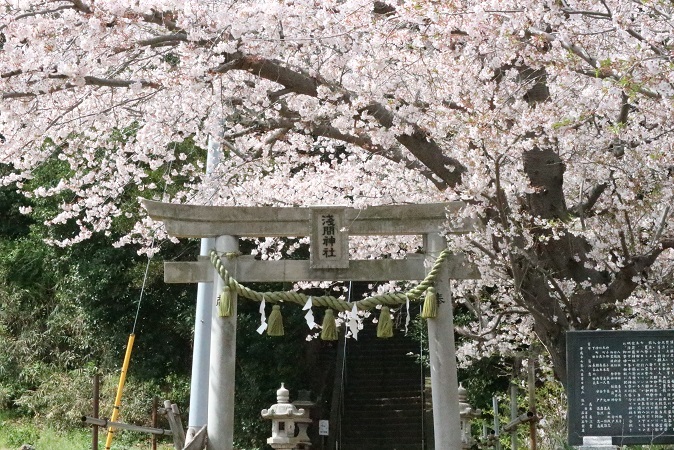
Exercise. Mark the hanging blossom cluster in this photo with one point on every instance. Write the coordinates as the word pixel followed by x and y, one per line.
pixel 551 120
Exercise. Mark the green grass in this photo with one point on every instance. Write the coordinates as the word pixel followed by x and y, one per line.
pixel 16 431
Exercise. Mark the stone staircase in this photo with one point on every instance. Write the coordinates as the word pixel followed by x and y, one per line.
pixel 382 404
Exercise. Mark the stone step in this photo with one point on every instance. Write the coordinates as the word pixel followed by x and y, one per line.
pixel 386 412
pixel 365 388
pixel 382 397
pixel 383 354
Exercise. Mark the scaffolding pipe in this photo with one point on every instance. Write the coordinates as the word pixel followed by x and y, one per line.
pixel 125 426
pixel 120 388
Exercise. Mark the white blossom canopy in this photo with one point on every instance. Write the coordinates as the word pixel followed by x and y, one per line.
pixel 552 119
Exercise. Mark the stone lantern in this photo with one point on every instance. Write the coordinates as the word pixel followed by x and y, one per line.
pixel 466 413
pixel 283 416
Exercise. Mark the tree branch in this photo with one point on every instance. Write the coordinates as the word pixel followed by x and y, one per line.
pixel 624 109
pixel 297 82
pixel 88 81
pixel 627 279
pixel 481 336
pixel 325 130
pixel 13 73
pixel 593 14
pixel 653 47
pixel 592 62
pixel 662 225
pixel 392 154
pixel 80 6
pixel 582 209
pixel 163 18
pixel 537 266
pixel 167 38
pixel 447 170
pixel 623 245
pixel 40 13
pixel 116 83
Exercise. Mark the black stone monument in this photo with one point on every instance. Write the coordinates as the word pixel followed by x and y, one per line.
pixel 621 384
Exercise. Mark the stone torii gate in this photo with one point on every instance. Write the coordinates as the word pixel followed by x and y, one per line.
pixel 329 229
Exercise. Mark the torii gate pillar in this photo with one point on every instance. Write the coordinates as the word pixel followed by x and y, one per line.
pixel 223 361
pixel 442 353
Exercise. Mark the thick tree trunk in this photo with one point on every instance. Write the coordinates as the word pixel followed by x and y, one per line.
pixel 541 270
pixel 554 259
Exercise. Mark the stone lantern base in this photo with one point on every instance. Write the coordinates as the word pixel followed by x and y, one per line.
pixel 288 446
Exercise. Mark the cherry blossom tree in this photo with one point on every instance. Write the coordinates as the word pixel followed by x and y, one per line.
pixel 550 119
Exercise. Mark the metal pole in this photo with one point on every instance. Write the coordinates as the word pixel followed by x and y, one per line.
pixel 97 402
pixel 513 403
pixel 222 360
pixel 442 354
pixel 155 405
pixel 532 400
pixel 497 424
pixel 198 416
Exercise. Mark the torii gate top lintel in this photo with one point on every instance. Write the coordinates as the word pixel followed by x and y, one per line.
pixel 196 221
pixel 243 221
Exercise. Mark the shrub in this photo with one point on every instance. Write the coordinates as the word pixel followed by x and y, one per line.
pixel 20 433
pixel 63 398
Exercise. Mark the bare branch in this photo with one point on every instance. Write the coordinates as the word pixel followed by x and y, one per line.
pixel 167 38
pixel 623 245
pixel 13 73
pixel 272 70
pixel 14 95
pixel 593 14
pixel 624 109
pixel 536 265
pixel 629 229
pixel 88 81
pixel 663 224
pixel 115 83
pixel 653 47
pixel 582 209
pixel 484 250
pixel 232 148
pixel 274 138
pixel 475 310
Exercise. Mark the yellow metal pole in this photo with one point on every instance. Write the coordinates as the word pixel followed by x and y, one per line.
pixel 120 387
